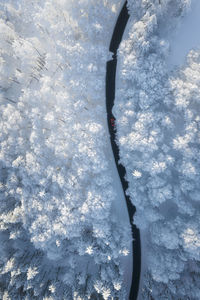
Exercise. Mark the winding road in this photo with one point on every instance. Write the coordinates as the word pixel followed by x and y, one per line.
pixel 110 97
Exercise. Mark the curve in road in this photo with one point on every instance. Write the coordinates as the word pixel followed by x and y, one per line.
pixel 110 97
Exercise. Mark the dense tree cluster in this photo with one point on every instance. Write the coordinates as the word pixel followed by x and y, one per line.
pixel 157 117
pixel 59 239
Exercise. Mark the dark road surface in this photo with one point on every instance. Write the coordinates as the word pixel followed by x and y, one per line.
pixel 110 97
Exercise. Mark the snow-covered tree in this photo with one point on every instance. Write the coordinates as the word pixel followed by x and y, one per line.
pixel 59 239
pixel 157 119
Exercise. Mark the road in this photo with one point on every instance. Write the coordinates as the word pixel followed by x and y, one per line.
pixel 110 97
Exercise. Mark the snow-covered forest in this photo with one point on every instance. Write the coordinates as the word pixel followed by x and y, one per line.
pixel 158 124
pixel 61 232
pixel 59 239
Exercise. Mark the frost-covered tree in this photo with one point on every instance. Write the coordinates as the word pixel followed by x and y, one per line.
pixel 157 119
pixel 59 239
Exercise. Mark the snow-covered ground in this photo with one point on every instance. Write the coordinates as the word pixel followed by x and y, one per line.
pixel 185 38
pixel 119 210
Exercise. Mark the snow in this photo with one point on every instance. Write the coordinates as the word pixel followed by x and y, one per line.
pixel 157 119
pixel 56 175
pixel 64 226
pixel 185 37
pixel 119 210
